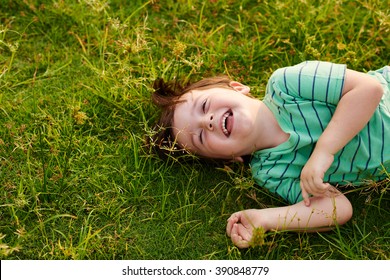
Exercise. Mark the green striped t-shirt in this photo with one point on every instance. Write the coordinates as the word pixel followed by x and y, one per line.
pixel 303 99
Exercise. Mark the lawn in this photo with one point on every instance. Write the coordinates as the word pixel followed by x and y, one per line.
pixel 76 178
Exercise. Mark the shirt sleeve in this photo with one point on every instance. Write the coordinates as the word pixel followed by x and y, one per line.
pixel 310 80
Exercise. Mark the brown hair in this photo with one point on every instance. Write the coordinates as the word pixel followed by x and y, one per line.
pixel 166 95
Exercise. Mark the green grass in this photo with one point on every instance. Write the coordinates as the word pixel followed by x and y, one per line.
pixel 76 179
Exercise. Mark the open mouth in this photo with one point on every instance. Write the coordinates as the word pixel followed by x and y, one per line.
pixel 227 123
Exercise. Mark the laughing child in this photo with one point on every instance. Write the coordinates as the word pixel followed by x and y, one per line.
pixel 319 126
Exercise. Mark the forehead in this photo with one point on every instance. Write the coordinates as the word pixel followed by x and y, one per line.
pixel 191 96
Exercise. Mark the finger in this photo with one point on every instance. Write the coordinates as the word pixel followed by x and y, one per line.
pixel 230 223
pixel 245 233
pixel 305 195
pixel 332 191
pixel 237 238
pixel 233 219
pixel 235 216
pixel 237 241
pixel 314 186
pixel 306 200
pixel 319 187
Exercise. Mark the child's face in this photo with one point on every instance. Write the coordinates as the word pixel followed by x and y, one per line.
pixel 217 122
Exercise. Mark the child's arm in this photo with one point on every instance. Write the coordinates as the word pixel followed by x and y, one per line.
pixel 360 97
pixel 323 214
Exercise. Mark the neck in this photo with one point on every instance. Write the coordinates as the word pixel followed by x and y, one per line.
pixel 271 134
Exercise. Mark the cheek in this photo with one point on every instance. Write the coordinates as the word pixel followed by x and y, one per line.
pixel 221 146
pixel 243 131
pixel 243 125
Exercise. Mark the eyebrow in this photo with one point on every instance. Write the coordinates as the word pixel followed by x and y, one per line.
pixel 195 101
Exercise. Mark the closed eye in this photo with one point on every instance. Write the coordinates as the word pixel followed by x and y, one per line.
pixel 204 106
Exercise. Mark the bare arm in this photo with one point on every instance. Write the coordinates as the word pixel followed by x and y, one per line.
pixel 323 214
pixel 360 97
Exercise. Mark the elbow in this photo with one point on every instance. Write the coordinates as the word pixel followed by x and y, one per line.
pixel 376 90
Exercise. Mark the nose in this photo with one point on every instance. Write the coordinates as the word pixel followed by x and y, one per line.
pixel 209 122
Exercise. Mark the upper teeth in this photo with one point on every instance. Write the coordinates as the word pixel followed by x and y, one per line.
pixel 224 118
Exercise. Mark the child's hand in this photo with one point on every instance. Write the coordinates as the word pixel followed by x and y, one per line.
pixel 312 176
pixel 241 224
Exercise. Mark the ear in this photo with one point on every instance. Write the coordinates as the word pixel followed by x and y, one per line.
pixel 238 159
pixel 240 87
